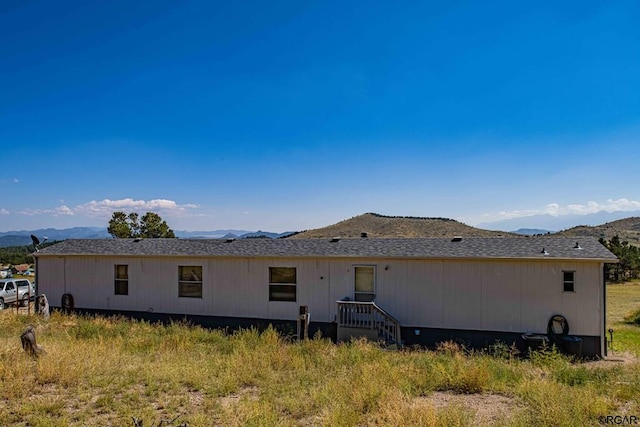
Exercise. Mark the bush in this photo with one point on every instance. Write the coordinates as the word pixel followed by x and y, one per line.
pixel 633 317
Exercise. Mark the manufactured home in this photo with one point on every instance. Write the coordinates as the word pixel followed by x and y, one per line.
pixel 409 290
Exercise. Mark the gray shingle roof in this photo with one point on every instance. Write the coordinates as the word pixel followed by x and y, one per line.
pixel 417 248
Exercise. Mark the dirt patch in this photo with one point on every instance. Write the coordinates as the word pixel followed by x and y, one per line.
pixel 233 399
pixel 487 408
pixel 615 359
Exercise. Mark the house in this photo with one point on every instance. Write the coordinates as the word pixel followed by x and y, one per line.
pixel 20 269
pixel 417 290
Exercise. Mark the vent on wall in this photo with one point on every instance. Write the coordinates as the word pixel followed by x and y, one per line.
pixel 335 239
pixel 457 239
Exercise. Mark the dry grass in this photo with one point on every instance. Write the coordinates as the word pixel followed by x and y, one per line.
pixel 623 300
pixel 104 371
pixel 628 229
pixel 377 225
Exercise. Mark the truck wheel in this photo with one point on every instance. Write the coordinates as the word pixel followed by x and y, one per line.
pixel 1 304
pixel 25 300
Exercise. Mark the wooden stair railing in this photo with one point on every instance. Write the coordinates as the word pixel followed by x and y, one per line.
pixel 367 315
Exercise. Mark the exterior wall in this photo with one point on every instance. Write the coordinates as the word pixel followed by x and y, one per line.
pixel 508 296
pixel 231 287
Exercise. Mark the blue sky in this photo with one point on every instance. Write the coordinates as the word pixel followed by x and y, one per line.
pixel 292 115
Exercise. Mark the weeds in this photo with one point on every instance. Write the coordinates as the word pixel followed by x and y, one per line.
pixel 105 370
pixel 633 317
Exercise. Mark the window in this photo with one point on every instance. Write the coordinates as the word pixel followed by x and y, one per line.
pixel 121 280
pixel 282 284
pixel 190 281
pixel 569 281
pixel 364 279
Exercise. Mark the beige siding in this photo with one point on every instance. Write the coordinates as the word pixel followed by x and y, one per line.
pixel 231 287
pixel 51 279
pixel 510 296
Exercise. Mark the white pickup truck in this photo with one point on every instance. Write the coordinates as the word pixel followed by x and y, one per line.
pixel 15 290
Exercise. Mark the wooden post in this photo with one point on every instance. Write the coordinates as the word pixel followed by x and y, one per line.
pixel 28 339
pixel 303 322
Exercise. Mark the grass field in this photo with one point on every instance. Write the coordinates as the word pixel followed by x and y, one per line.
pixel 623 299
pixel 104 371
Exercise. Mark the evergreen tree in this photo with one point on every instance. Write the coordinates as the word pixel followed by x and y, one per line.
pixel 151 225
pixel 628 266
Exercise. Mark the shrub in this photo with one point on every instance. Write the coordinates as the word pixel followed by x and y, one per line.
pixel 633 317
pixel 502 350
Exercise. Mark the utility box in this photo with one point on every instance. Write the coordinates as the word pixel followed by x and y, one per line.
pixel 534 342
pixel 572 345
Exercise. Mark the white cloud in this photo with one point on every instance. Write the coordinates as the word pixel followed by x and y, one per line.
pixel 106 207
pixel 63 210
pixel 15 180
pixel 3 211
pixel 59 211
pixel 555 209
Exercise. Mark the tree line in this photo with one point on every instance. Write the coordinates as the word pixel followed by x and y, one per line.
pixel 629 256
pixel 15 255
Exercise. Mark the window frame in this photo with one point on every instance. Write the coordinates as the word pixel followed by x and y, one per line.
pixel 190 287
pixel 120 282
pixel 568 285
pixel 285 287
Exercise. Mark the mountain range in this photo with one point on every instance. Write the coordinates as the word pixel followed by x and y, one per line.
pixel 376 225
pixel 373 224
pixel 23 237
pixel 556 223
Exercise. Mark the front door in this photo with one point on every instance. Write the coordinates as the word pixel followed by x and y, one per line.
pixel 364 283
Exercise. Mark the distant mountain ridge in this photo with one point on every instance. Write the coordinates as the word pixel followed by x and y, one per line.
pixel 531 231
pixel 374 225
pixel 557 223
pixel 59 234
pixel 23 237
pixel 628 229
